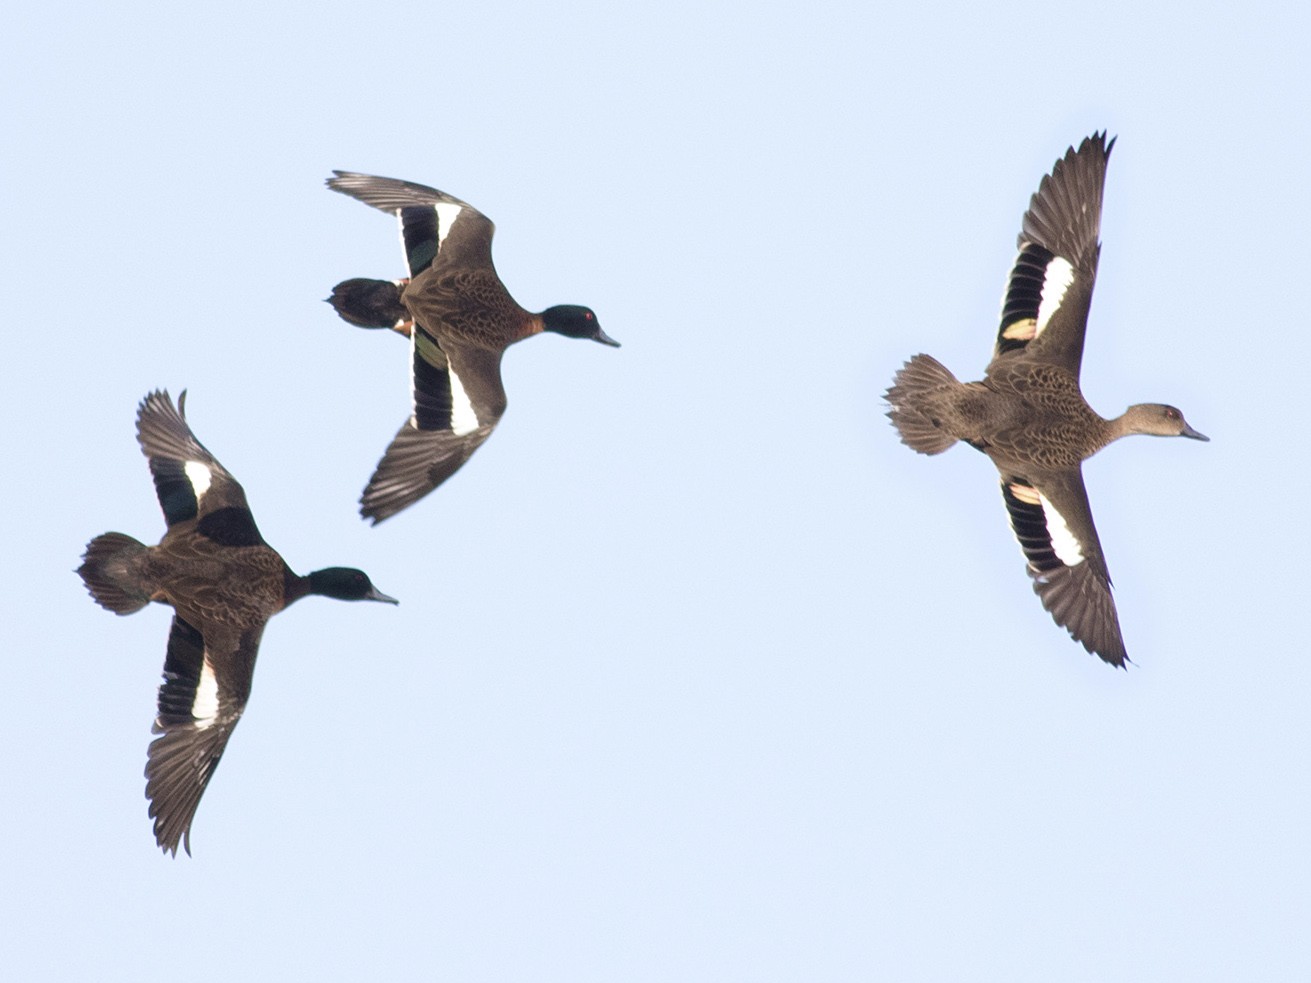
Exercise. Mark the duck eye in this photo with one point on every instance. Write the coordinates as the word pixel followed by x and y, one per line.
pixel 589 316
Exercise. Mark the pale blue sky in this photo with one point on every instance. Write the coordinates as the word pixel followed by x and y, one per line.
pixel 698 674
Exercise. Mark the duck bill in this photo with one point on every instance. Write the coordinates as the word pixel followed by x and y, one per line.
pixel 604 339
pixel 377 595
pixel 1190 432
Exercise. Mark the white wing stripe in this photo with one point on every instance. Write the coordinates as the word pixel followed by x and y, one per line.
pixel 1064 545
pixel 1059 276
pixel 463 418
pixel 205 706
pixel 200 477
pixel 446 215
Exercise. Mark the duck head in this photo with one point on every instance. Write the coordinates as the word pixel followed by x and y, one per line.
pixel 574 321
pixel 1159 420
pixel 346 584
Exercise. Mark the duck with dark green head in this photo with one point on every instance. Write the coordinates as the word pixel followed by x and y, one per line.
pixel 459 318
pixel 224 583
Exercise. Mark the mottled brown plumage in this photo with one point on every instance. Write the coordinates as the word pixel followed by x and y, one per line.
pixel 1028 413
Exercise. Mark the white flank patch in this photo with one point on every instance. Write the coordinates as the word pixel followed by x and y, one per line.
pixel 446 214
pixel 463 419
pixel 1064 545
pixel 1060 274
pixel 205 706
pixel 200 476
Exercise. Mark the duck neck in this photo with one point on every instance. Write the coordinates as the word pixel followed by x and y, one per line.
pixel 1116 428
pixel 294 586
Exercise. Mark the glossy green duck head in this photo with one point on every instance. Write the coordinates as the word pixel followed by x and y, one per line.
pixel 574 321
pixel 346 584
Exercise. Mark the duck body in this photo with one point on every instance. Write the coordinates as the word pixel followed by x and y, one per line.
pixel 460 320
pixel 1028 413
pixel 224 583
pixel 209 582
pixel 472 308
pixel 1024 417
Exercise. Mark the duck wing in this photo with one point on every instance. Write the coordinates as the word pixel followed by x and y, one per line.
pixel 458 400
pixel 1049 291
pixel 432 222
pixel 206 684
pixel 192 486
pixel 1052 520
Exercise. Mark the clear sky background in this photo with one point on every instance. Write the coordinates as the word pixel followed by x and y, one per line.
pixel 698 674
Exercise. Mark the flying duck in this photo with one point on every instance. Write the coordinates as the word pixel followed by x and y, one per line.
pixel 459 318
pixel 223 582
pixel 1028 413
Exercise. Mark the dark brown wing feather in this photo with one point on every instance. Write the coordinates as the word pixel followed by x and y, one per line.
pixel 415 463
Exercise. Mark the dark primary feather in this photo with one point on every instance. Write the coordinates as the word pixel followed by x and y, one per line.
pixel 389 194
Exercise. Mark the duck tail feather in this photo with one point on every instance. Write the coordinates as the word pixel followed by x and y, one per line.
pixel 910 404
pixel 107 570
pixel 370 303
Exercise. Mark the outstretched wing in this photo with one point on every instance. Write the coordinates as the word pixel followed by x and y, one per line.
pixel 190 482
pixel 1049 291
pixel 206 685
pixel 1054 525
pixel 432 221
pixel 458 400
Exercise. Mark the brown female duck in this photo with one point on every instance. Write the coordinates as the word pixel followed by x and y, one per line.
pixel 1028 413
